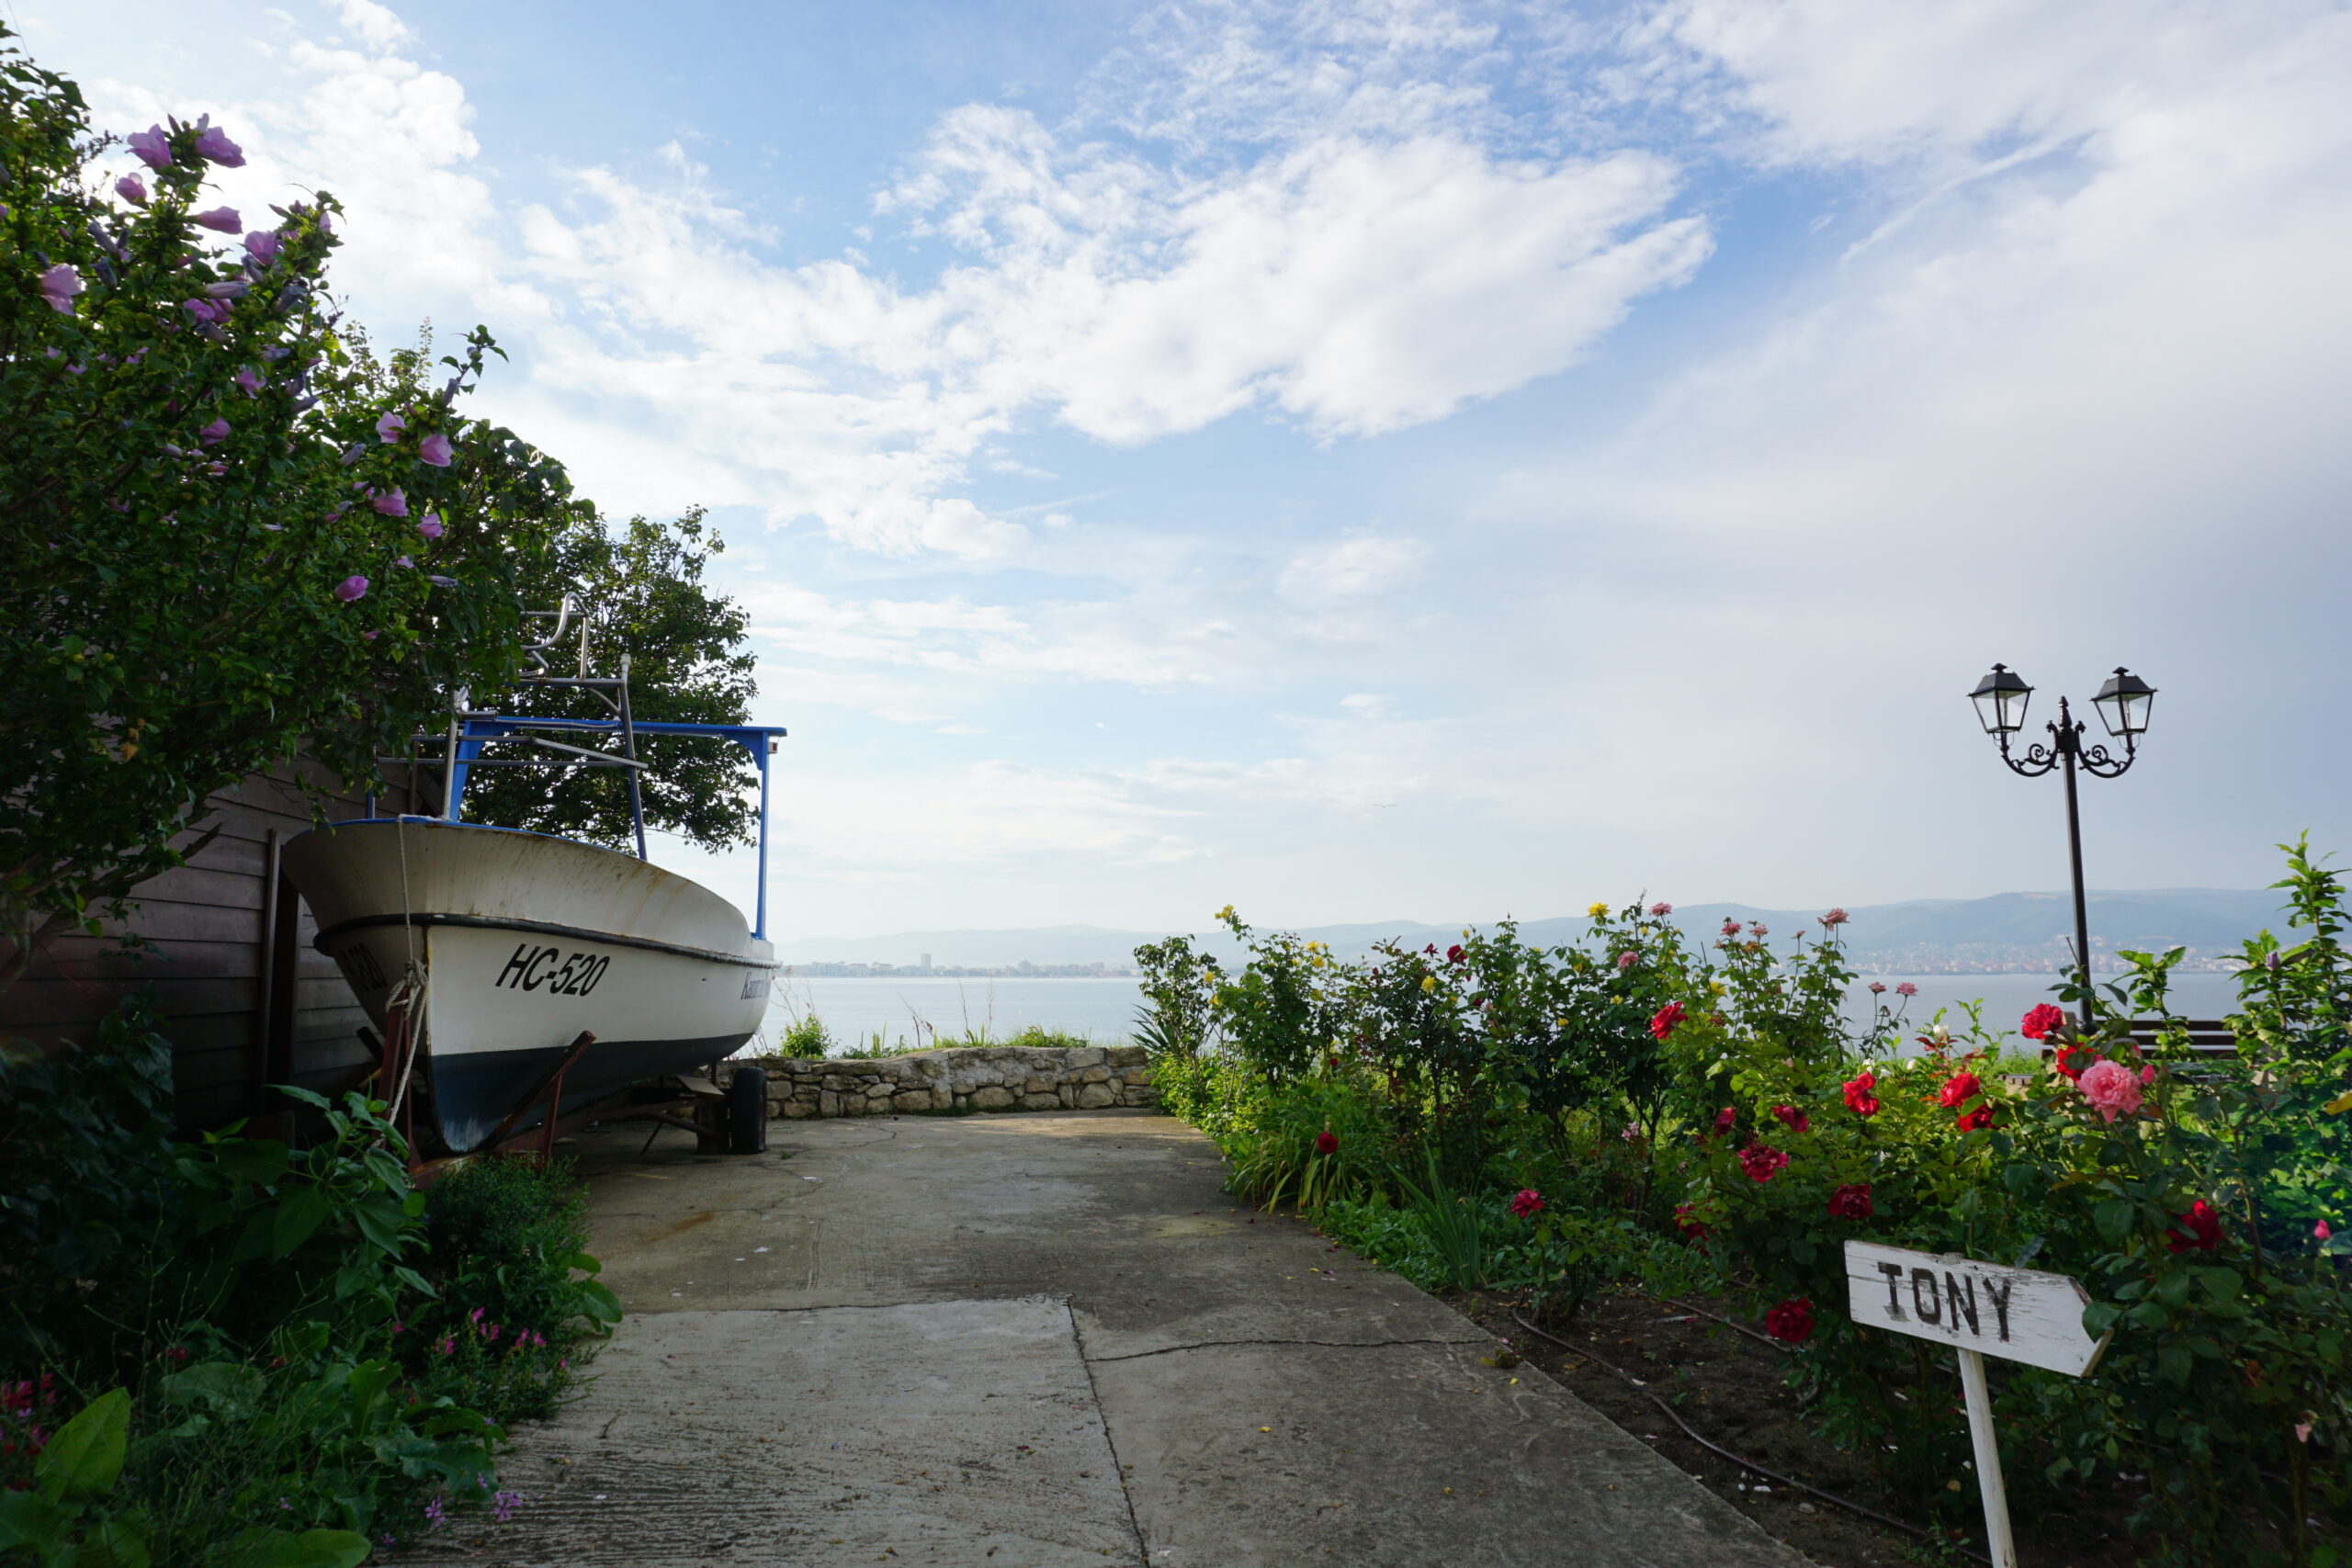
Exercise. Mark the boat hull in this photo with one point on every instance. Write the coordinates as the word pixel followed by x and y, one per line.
pixel 526 941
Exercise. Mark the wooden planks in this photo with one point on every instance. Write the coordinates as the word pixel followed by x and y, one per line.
pixel 246 1000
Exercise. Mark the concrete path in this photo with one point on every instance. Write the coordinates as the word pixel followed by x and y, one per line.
pixel 1044 1339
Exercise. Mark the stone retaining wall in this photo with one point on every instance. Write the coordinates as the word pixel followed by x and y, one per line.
pixel 986 1078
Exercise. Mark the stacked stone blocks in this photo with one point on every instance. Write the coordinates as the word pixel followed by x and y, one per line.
pixel 983 1077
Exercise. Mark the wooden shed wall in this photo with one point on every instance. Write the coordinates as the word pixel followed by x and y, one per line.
pixel 207 926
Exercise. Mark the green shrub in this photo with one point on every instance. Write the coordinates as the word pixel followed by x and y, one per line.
pixel 262 1317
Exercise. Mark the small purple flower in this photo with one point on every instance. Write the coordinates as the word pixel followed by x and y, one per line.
pixel 351 588
pixel 434 1513
pixel 430 526
pixel 388 428
pixel 152 147
pixel 132 189
pixel 433 449
pixel 214 434
pixel 261 245
pixel 229 290
pixel 351 455
pixel 214 146
pixel 503 1506
pixel 206 311
pixel 448 1342
pixel 402 560
pixel 223 218
pixel 439 582
pixel 249 381
pixel 392 504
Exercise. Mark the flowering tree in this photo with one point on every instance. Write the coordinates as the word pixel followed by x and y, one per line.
pixel 223 544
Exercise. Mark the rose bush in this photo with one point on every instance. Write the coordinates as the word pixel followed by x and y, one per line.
pixel 1713 1106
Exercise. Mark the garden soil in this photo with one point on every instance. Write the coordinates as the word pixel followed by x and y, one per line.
pixel 1731 1388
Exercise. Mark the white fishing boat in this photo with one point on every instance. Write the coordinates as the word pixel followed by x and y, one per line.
pixel 487 955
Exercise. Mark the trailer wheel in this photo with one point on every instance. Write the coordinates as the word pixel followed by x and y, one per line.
pixel 747 1112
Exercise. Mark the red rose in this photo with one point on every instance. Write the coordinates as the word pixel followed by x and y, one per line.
pixel 1977 1120
pixel 1453 954
pixel 2042 1022
pixel 1662 1022
pixel 1724 1120
pixel 1851 1202
pixel 1791 1118
pixel 1762 1162
pixel 2072 1060
pixel 1790 1321
pixel 1689 1224
pixel 1859 1098
pixel 1327 1142
pixel 1959 1089
pixel 1527 1201
pixel 2204 1232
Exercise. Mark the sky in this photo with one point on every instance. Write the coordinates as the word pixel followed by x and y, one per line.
pixel 1391 460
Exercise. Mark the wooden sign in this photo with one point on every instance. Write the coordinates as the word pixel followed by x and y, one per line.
pixel 1979 1309
pixel 2017 1315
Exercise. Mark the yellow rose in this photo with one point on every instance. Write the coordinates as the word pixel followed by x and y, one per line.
pixel 1598 910
pixel 1226 913
pixel 1429 982
pixel 1714 987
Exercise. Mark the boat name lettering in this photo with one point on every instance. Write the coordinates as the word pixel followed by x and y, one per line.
pixel 360 968
pixel 559 973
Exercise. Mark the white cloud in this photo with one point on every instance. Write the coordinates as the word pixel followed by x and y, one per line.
pixel 1358 276
pixel 1351 568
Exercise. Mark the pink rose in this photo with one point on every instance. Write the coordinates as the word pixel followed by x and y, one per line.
pixel 2111 1089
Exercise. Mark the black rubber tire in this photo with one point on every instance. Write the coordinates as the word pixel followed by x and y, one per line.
pixel 747 1112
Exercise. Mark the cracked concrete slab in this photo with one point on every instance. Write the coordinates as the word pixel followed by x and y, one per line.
pixel 826 1436
pixel 1197 1385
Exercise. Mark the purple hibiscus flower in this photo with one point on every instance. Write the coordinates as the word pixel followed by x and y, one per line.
pixel 212 144
pixel 58 286
pixel 152 147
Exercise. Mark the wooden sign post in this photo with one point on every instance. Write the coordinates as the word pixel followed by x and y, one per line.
pixel 1979 1309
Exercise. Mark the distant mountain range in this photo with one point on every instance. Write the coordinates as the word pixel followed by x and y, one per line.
pixel 2009 931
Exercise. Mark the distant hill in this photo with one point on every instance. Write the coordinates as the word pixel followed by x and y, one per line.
pixel 2004 931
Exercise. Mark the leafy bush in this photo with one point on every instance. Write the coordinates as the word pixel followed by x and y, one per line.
pixel 261 1318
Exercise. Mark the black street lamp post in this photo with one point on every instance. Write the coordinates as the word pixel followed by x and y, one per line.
pixel 2122 703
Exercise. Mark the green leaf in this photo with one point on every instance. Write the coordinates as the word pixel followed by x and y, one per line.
pixel 229 1383
pixel 84 1458
pixel 599 1303
pixel 306 1095
pixel 300 1214
pixel 29 1517
pixel 2099 1316
pixel 2113 1219
pixel 284 1549
pixel 387 1169
pixel 2174 1364
pixel 120 1541
pixel 381 1222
